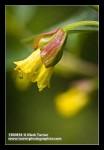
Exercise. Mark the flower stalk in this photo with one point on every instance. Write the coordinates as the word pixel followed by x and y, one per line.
pixel 68 27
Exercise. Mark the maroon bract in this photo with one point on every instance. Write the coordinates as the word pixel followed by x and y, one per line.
pixel 50 45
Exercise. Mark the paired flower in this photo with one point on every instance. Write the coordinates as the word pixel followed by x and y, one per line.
pixel 38 67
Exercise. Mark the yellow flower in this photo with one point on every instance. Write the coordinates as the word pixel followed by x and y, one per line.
pixel 38 67
pixel 33 68
pixel 71 102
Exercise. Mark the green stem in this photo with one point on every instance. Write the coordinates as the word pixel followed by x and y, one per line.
pixel 80 23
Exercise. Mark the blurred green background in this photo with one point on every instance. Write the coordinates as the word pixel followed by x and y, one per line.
pixel 28 110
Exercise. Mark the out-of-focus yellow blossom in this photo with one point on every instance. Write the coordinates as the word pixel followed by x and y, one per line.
pixel 22 84
pixel 71 102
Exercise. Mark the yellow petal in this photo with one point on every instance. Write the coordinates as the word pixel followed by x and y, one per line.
pixel 44 77
pixel 30 63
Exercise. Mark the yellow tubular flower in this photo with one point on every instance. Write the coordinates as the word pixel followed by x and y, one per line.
pixel 38 67
pixel 33 68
